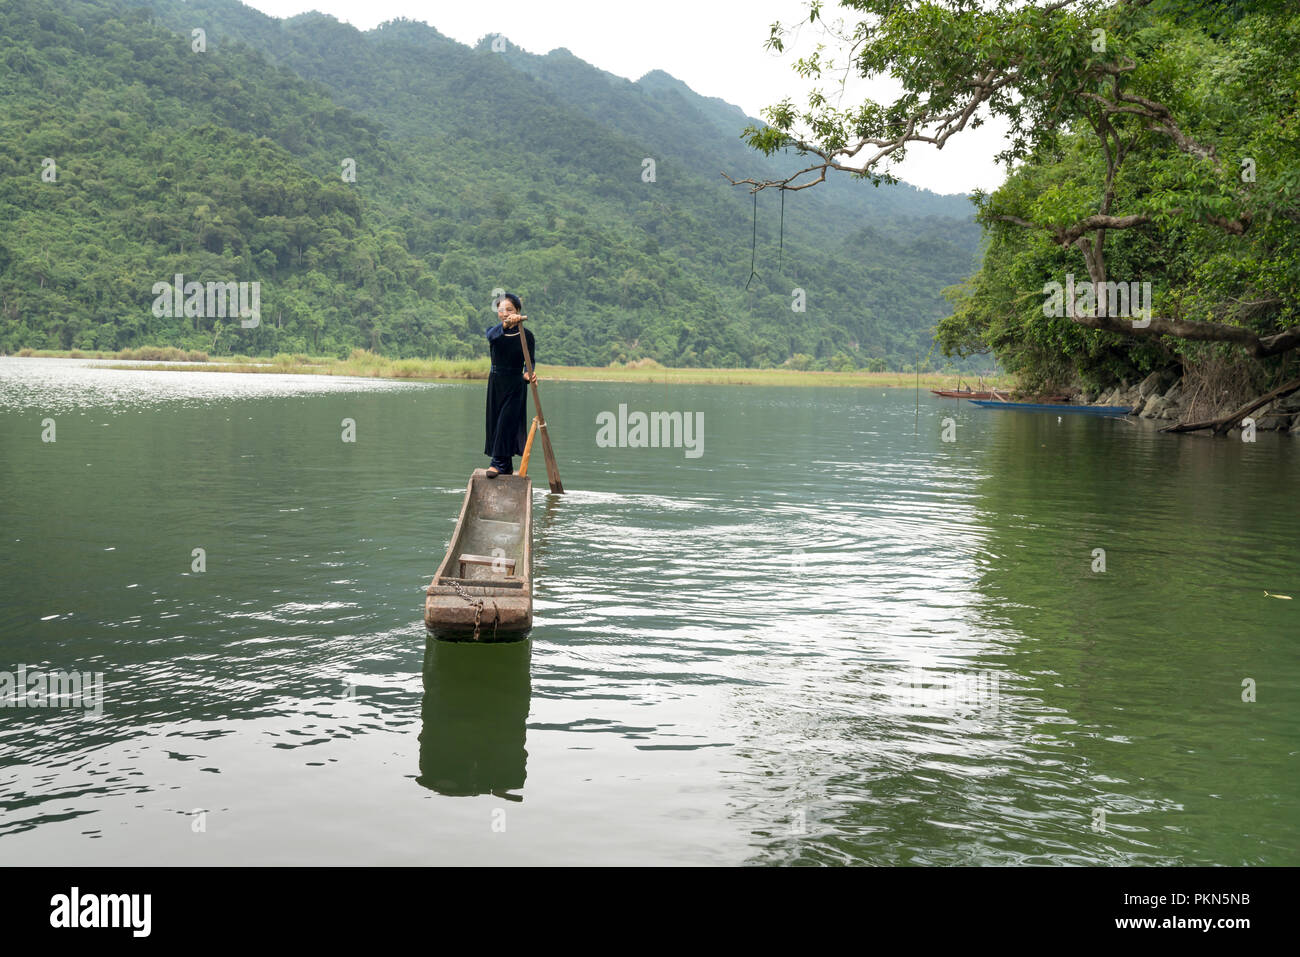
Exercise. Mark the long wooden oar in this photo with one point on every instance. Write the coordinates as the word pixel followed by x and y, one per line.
pixel 552 470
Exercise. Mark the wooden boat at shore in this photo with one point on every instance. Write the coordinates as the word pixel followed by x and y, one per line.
pixel 966 392
pixel 1056 407
pixel 963 394
pixel 483 590
pixel 995 395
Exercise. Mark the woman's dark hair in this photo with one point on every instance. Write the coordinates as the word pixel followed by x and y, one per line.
pixel 515 301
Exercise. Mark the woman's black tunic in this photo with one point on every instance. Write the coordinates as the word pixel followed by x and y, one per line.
pixel 507 395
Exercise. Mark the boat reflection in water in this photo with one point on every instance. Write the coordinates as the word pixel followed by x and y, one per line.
pixel 474 716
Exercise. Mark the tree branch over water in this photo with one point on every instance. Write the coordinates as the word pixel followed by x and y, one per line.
pixel 1117 123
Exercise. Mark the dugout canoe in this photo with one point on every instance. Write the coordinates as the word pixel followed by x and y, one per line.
pixel 963 394
pixel 1052 407
pixel 995 395
pixel 489 561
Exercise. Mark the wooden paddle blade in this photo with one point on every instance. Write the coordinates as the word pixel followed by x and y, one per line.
pixel 548 453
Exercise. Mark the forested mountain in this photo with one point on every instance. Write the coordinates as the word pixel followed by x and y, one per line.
pixel 134 150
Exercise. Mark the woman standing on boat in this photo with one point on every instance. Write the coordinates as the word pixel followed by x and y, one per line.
pixel 507 395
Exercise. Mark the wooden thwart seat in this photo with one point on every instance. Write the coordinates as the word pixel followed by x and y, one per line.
pixel 491 561
pixel 474 585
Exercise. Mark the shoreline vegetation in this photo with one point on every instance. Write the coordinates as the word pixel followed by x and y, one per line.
pixel 365 364
pixel 1161 395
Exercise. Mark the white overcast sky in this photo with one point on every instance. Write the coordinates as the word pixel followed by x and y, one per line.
pixel 714 46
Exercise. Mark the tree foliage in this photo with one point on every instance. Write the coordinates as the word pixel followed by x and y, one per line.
pixel 1152 142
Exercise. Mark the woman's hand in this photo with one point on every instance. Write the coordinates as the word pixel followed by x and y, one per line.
pixel 509 322
pixel 530 378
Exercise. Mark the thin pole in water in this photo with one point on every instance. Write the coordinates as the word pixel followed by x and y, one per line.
pixel 916 426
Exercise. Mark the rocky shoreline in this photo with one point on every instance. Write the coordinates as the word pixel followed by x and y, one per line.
pixel 1162 395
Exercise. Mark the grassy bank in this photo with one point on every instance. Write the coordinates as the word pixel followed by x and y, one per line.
pixel 370 365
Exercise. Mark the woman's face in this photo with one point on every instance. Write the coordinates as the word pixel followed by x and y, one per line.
pixel 505 308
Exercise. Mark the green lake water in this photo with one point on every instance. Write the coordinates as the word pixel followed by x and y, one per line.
pixel 831 637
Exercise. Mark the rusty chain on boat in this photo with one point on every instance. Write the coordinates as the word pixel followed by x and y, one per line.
pixel 478 609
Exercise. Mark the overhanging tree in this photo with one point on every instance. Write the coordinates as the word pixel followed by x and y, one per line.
pixel 1176 120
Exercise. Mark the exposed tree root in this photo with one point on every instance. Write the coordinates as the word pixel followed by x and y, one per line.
pixel 1226 423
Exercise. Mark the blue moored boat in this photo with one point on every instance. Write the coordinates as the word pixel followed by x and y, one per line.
pixel 1049 407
